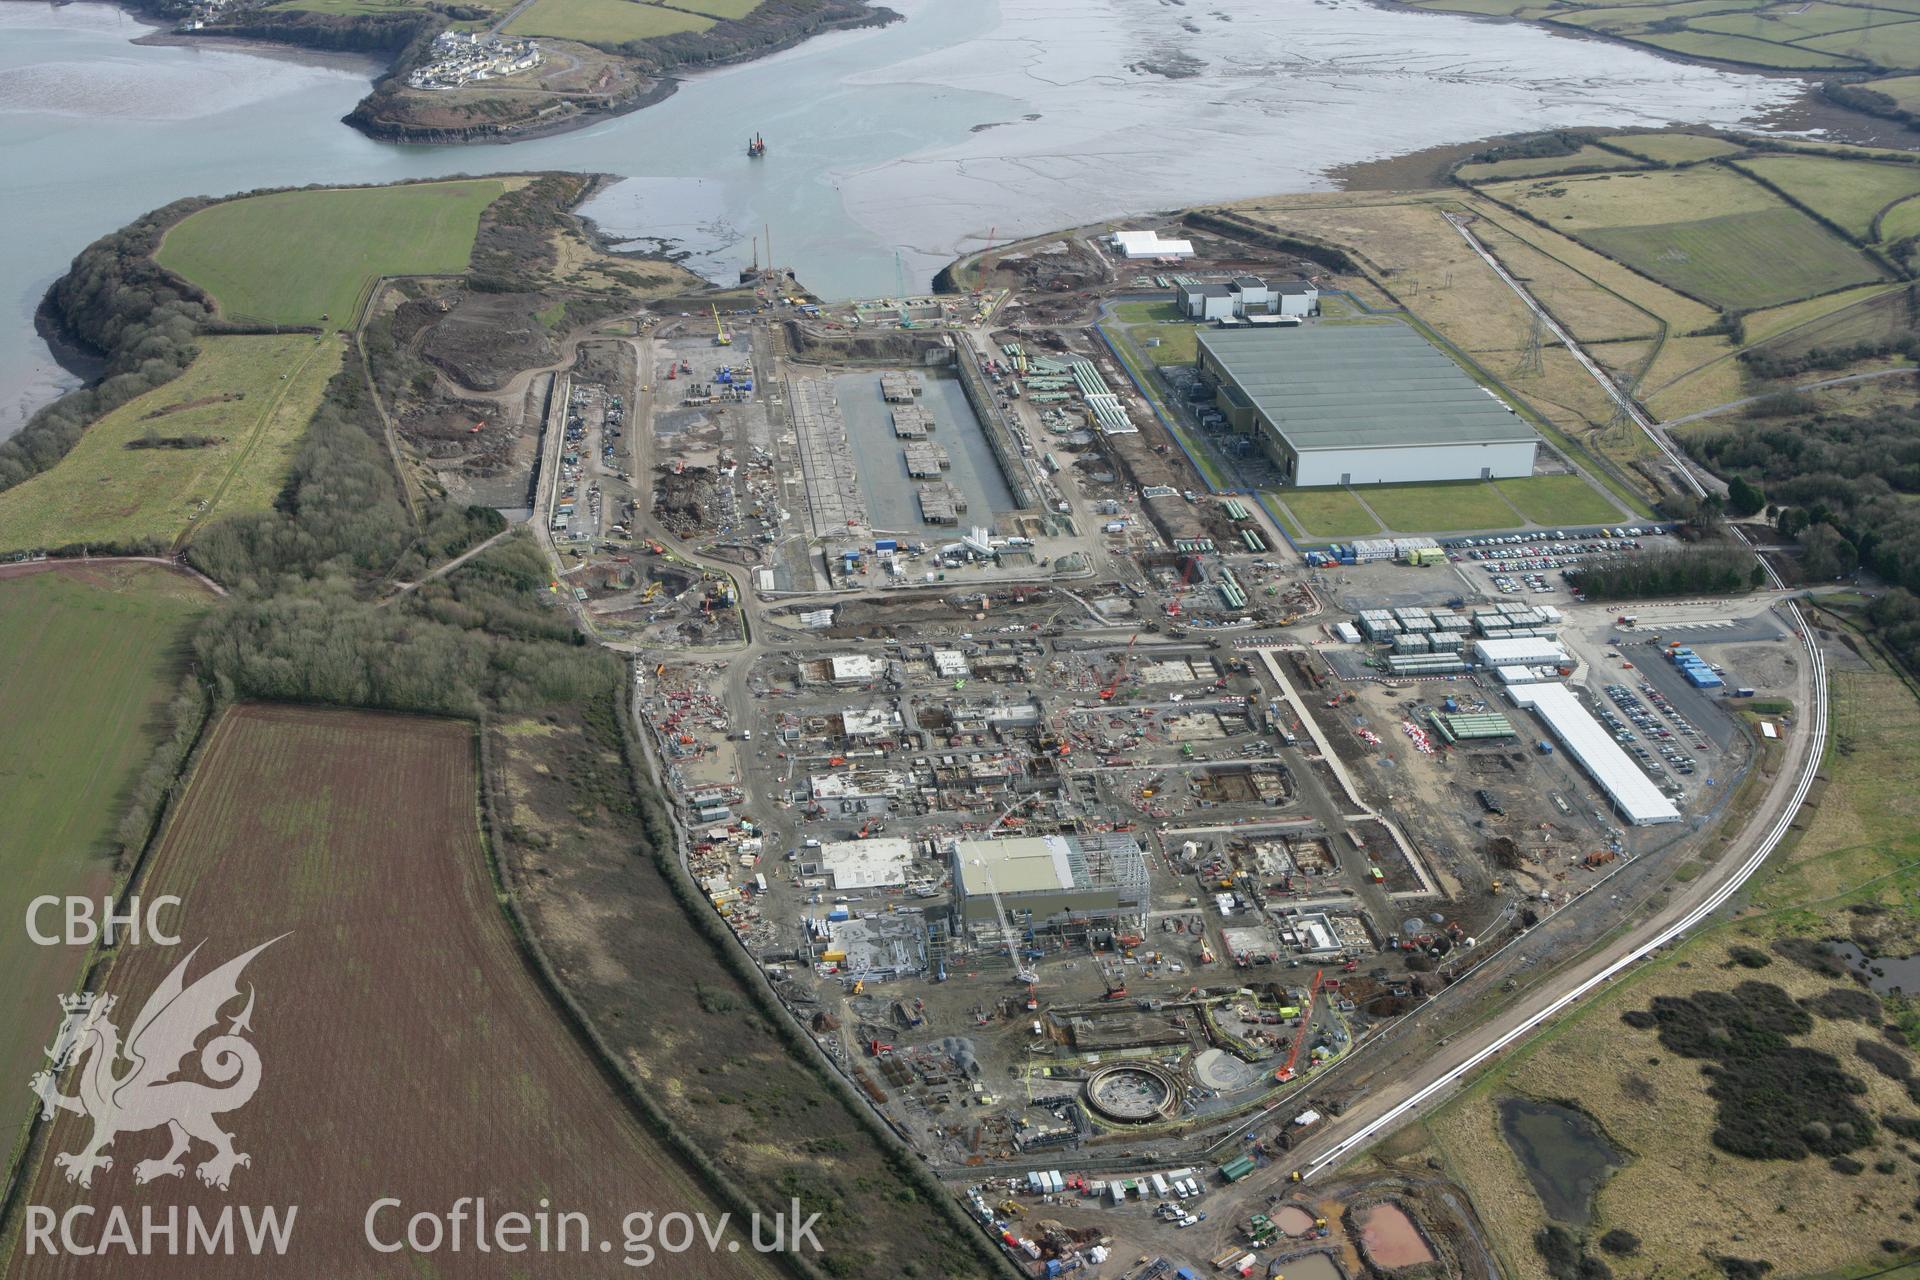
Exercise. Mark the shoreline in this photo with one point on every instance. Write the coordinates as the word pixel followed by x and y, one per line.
pixel 659 91
pixel 277 50
pixel 379 69
pixel 1820 114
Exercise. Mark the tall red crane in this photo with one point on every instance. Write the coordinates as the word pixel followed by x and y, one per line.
pixel 1285 1073
pixel 1120 672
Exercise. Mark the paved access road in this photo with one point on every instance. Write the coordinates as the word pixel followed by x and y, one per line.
pixel 1380 1112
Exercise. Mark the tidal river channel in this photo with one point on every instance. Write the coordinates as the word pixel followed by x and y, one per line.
pixel 889 150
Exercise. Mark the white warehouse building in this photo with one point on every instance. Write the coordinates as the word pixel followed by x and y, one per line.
pixel 1361 404
pixel 1633 793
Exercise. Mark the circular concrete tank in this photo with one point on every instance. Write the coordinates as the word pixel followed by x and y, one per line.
pixel 1133 1093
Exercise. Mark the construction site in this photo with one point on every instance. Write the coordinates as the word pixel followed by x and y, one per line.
pixel 1108 840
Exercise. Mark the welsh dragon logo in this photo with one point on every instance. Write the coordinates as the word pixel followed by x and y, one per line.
pixel 130 1087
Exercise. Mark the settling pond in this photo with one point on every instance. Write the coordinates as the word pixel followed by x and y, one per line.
pixel 1390 1239
pixel 1566 1156
pixel 1312 1266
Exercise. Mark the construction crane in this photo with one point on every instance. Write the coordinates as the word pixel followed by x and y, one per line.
pixel 721 338
pixel 1120 672
pixel 1285 1073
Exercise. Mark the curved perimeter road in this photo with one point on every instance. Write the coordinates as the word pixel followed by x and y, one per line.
pixel 1376 1116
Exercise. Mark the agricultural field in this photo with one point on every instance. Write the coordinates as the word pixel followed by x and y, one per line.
pixel 1586 158
pixel 1904 90
pixel 1824 35
pixel 1439 508
pixel 1321 514
pixel 1900 221
pixel 1759 53
pixel 1741 260
pixel 1839 1151
pixel 1762 325
pixel 235 418
pixel 1674 148
pixel 605 22
pixel 1706 231
pixel 309 257
pixel 89 656
pixel 1890 46
pixel 1612 18
pixel 720 8
pixel 393 1002
pixel 1781 24
pixel 1851 193
pixel 1882 317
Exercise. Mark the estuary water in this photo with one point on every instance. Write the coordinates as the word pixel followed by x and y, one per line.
pixel 889 150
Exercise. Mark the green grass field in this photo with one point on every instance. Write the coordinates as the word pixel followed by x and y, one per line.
pixel 1789 22
pixel 1439 508
pixel 719 8
pixel 603 22
pixel 1673 148
pixel 1147 312
pixel 1532 166
pixel 1759 53
pixel 1788 34
pixel 1179 343
pixel 255 392
pixel 1881 318
pixel 1891 45
pixel 1576 204
pixel 1147 322
pixel 1559 500
pixel 1899 222
pixel 1740 260
pixel 1851 193
pixel 1320 514
pixel 1904 90
pixel 293 257
pixel 1607 17
pixel 88 658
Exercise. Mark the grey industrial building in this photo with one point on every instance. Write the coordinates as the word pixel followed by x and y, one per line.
pixel 1049 882
pixel 1242 297
pixel 1361 404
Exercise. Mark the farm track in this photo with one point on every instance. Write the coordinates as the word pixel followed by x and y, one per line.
pixel 254 437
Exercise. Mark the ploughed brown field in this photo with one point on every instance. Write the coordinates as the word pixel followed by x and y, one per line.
pixel 406 1051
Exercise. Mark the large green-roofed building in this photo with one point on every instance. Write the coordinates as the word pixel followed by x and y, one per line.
pixel 1361 404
